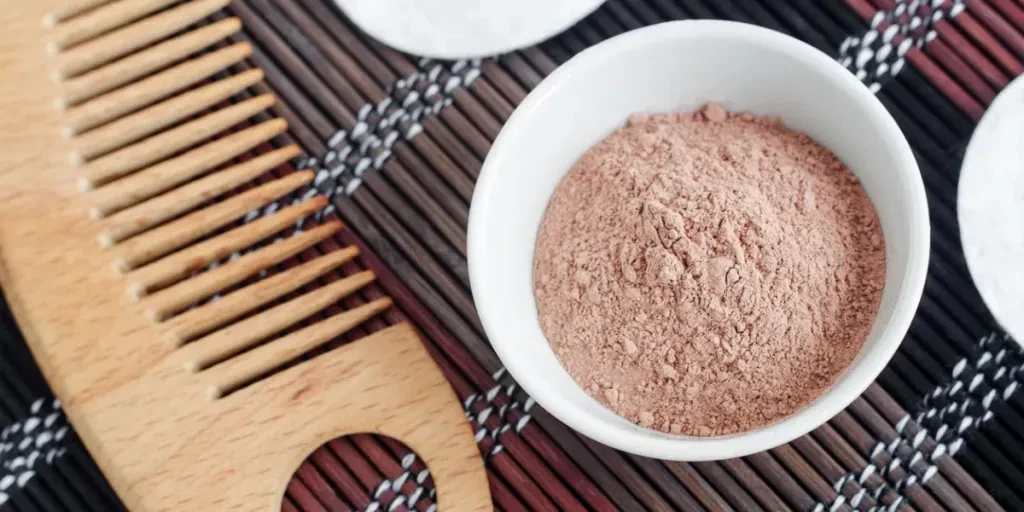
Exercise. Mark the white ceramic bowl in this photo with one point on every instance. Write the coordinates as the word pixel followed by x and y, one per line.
pixel 670 67
pixel 459 29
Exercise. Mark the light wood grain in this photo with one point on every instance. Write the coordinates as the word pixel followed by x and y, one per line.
pixel 153 180
pixel 168 301
pixel 103 49
pixel 136 66
pixel 114 104
pixel 100 20
pixel 145 419
pixel 236 371
pixel 141 124
pixel 65 9
pixel 202 320
pixel 157 210
pixel 242 335
pixel 181 232
pixel 179 265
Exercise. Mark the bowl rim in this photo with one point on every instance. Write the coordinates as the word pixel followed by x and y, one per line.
pixel 448 53
pixel 842 393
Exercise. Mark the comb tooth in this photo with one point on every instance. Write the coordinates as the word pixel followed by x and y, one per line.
pixel 69 9
pixel 179 233
pixel 241 335
pixel 199 321
pixel 120 42
pixel 112 105
pixel 153 180
pixel 179 266
pixel 145 215
pixel 101 20
pixel 145 249
pixel 180 296
pixel 162 115
pixel 148 151
pixel 236 371
pixel 132 159
pixel 140 64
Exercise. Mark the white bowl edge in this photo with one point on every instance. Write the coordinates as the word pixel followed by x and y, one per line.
pixel 847 388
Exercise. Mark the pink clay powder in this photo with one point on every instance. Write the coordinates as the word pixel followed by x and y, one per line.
pixel 708 273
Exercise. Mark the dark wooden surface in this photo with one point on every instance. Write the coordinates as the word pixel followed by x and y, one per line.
pixel 942 429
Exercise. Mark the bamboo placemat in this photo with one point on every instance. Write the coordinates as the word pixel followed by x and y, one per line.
pixel 398 142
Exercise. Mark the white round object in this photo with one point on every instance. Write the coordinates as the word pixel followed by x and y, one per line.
pixel 457 29
pixel 672 67
pixel 990 208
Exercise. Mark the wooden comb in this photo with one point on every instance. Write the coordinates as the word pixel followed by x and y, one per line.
pixel 118 227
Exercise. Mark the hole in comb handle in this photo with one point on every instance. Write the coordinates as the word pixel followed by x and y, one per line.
pixel 385 384
pixel 394 475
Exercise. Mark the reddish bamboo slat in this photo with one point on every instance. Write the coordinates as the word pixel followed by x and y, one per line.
pixel 698 486
pixel 989 70
pixel 998 25
pixel 677 496
pixel 928 68
pixel 948 58
pixel 1012 12
pixel 303 497
pixel 718 477
pixel 320 489
pixel 287 505
pixel 989 42
pixel 818 487
pixel 756 485
pixel 777 476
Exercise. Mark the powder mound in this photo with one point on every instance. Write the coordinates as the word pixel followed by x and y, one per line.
pixel 708 273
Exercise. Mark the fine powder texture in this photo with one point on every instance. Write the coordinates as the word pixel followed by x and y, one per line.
pixel 708 273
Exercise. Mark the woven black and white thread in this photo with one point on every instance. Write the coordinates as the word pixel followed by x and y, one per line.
pixel 498 401
pixel 946 415
pixel 31 441
pixel 367 146
pixel 880 53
